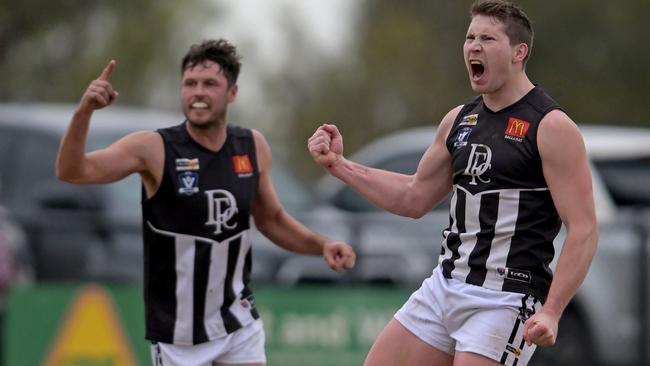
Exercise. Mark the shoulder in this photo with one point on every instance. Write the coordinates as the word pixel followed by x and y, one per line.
pixel 557 133
pixel 240 132
pixel 448 120
pixel 142 139
pixel 262 149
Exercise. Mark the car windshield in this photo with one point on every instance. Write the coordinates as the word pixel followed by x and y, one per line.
pixel 626 179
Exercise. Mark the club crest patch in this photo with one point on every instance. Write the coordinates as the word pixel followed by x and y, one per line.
pixel 188 183
pixel 462 136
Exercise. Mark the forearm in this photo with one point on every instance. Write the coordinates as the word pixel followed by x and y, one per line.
pixel 286 232
pixel 70 159
pixel 573 265
pixel 388 190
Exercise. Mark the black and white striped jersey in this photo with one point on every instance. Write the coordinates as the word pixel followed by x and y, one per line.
pixel 502 217
pixel 197 250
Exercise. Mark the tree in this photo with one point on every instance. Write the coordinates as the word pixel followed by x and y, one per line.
pixel 49 51
pixel 406 68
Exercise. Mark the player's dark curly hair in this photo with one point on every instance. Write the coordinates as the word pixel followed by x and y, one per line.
pixel 220 51
pixel 518 26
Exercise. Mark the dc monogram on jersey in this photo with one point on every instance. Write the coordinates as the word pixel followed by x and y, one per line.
pixel 196 285
pixel 495 237
pixel 222 206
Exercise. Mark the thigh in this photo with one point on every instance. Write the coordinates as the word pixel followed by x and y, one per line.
pixel 473 359
pixel 494 330
pixel 397 346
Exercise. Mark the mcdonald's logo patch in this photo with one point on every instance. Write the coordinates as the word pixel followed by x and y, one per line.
pixel 516 129
pixel 242 165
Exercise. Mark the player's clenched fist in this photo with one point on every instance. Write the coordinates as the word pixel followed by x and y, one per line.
pixel 100 93
pixel 541 329
pixel 326 145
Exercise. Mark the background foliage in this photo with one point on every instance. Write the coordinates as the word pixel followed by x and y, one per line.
pixel 404 66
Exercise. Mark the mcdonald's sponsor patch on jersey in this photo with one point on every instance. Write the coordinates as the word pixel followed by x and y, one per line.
pixel 243 166
pixel 516 129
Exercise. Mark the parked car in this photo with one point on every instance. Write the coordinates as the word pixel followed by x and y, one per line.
pixel 93 232
pixel 603 323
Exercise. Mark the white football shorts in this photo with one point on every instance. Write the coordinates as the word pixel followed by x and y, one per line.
pixel 245 345
pixel 454 316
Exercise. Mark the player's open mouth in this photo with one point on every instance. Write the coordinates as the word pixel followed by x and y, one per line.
pixel 477 69
pixel 199 105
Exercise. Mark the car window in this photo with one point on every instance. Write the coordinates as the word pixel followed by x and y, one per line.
pixel 293 194
pixel 36 165
pixel 407 163
pixel 7 138
pixel 627 180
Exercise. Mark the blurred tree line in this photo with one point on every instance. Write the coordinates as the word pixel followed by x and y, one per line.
pixel 404 66
pixel 50 50
pixel 407 69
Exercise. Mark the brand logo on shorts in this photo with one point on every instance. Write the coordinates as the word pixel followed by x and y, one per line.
pixel 513 350
pixel 515 274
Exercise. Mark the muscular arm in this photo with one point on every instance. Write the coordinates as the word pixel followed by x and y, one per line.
pixel 566 169
pixel 280 227
pixel 139 152
pixel 405 195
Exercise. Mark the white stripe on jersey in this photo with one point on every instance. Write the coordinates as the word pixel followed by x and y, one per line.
pixel 240 311
pixel 454 228
pixel 213 322
pixel 468 239
pixel 504 228
pixel 185 250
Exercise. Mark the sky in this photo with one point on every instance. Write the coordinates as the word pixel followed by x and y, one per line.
pixel 258 29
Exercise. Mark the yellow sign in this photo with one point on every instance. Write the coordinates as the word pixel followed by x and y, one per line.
pixel 91 334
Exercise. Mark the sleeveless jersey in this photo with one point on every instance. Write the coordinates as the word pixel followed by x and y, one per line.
pixel 197 250
pixel 502 217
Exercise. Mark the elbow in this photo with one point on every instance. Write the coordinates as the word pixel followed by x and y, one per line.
pixel 66 175
pixel 61 174
pixel 416 213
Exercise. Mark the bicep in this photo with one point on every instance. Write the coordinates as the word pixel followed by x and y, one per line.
pixel 130 154
pixel 433 178
pixel 566 169
pixel 266 203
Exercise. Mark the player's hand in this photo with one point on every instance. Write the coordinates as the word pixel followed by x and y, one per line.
pixel 326 145
pixel 100 93
pixel 541 329
pixel 339 256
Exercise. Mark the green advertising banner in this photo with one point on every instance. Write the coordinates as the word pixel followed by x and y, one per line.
pixel 96 325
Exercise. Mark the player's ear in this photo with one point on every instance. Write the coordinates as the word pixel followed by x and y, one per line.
pixel 520 52
pixel 232 93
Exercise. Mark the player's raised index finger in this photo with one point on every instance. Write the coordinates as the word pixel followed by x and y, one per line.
pixel 108 70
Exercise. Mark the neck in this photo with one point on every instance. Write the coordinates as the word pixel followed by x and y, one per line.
pixel 212 137
pixel 508 94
